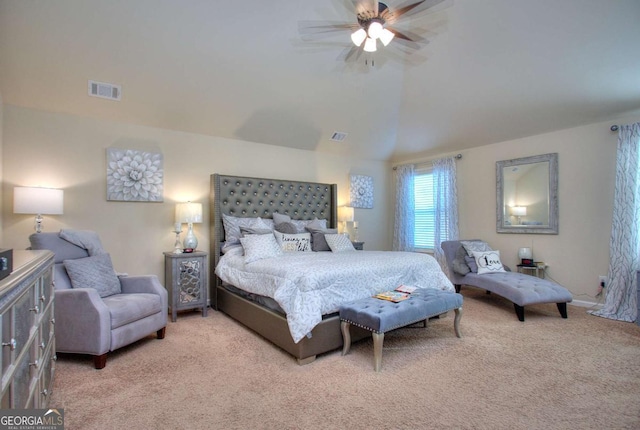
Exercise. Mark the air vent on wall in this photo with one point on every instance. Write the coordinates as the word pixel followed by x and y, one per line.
pixel 338 136
pixel 105 91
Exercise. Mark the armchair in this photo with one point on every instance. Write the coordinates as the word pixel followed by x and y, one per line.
pixel 87 323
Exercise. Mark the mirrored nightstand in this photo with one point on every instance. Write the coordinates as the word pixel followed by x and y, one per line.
pixel 186 281
pixel 358 245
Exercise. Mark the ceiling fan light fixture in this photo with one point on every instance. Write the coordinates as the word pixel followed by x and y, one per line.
pixel 386 36
pixel 370 45
pixel 375 29
pixel 358 36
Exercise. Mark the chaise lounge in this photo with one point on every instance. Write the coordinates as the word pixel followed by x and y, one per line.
pixel 519 288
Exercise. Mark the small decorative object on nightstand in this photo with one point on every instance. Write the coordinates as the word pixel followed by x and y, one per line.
pixel 186 280
pixel 358 245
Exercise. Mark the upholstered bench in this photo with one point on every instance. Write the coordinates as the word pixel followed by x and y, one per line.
pixel 380 316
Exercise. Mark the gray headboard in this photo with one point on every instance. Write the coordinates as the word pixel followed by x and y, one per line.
pixel 242 196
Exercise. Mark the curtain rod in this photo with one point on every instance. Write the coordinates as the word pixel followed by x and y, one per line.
pixel 457 157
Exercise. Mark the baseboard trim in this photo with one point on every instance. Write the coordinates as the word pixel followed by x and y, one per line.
pixel 585 304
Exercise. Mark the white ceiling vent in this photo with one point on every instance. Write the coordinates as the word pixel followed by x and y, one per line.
pixel 338 136
pixel 105 91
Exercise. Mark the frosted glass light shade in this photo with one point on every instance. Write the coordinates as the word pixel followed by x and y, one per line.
pixel 370 45
pixel 358 36
pixel 34 200
pixel 374 30
pixel 189 213
pixel 386 37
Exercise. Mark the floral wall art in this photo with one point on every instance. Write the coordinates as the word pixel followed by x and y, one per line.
pixel 134 176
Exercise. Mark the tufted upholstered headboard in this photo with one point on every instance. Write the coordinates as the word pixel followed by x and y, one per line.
pixel 242 196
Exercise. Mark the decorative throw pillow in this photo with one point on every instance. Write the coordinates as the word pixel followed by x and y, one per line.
pixel 286 227
pixel 280 218
pixel 459 265
pixel 300 242
pixel 318 241
pixel 488 262
pixel 471 262
pixel 260 246
pixel 339 242
pixel 472 246
pixel 94 272
pixel 232 226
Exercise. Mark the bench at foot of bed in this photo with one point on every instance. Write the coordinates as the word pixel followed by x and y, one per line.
pixel 380 316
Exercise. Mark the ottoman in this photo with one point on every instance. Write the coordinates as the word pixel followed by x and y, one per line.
pixel 380 316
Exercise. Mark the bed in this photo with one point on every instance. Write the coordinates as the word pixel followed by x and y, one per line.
pixel 263 305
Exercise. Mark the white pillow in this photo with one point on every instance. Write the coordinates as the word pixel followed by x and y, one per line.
pixel 339 242
pixel 232 226
pixel 260 246
pixel 300 242
pixel 488 262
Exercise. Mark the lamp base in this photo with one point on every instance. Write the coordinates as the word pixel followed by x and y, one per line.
pixel 190 240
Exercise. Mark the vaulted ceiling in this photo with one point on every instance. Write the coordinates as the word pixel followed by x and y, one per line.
pixel 494 70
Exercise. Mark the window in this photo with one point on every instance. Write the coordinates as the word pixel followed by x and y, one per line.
pixel 425 210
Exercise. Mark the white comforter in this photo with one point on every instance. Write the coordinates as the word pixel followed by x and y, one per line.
pixel 308 285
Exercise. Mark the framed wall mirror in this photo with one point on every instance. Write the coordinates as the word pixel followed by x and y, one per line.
pixel 527 195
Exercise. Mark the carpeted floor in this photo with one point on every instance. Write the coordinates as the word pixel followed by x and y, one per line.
pixel 212 373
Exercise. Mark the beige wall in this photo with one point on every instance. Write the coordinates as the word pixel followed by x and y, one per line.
pixel 69 152
pixel 580 252
pixel 2 245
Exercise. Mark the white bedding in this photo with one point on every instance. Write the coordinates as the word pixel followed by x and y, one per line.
pixel 308 285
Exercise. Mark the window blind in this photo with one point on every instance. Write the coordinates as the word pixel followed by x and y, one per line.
pixel 425 209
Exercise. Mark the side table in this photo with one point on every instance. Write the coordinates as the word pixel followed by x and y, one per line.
pixel 530 270
pixel 359 246
pixel 186 281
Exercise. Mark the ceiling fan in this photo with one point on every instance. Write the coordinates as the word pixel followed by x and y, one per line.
pixel 375 22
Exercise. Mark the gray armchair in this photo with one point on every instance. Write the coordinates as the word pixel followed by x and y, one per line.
pixel 87 323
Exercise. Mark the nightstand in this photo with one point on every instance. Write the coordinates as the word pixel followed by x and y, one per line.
pixel 358 245
pixel 186 281
pixel 537 270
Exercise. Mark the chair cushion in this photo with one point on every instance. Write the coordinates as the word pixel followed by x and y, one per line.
pixel 127 308
pixel 94 272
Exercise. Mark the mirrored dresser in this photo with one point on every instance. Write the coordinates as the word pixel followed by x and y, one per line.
pixel 27 323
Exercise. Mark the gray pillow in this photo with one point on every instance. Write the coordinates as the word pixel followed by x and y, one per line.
pixel 280 218
pixel 459 265
pixel 254 230
pixel 286 227
pixel 94 272
pixel 318 241
pixel 471 262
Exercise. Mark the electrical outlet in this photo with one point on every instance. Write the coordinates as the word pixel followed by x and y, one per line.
pixel 603 280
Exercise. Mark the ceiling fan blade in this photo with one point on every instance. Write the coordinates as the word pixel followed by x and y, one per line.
pixel 311 30
pixel 392 16
pixel 349 53
pixel 407 36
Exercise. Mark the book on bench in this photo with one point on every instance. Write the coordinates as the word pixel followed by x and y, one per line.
pixel 403 292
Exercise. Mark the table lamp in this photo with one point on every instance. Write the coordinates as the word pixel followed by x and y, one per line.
pixel 519 212
pixel 345 215
pixel 38 201
pixel 189 213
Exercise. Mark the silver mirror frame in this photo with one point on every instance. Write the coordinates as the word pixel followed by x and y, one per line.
pixel 552 228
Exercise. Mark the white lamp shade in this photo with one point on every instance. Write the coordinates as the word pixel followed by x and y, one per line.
pixel 370 45
pixel 189 213
pixel 519 211
pixel 525 253
pixel 41 201
pixel 358 36
pixel 386 37
pixel 345 214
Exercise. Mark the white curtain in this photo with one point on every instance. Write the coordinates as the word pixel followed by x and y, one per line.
pixel 446 205
pixel 405 209
pixel 624 252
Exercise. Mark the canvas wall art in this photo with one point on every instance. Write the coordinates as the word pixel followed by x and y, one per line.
pixel 134 176
pixel 361 192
